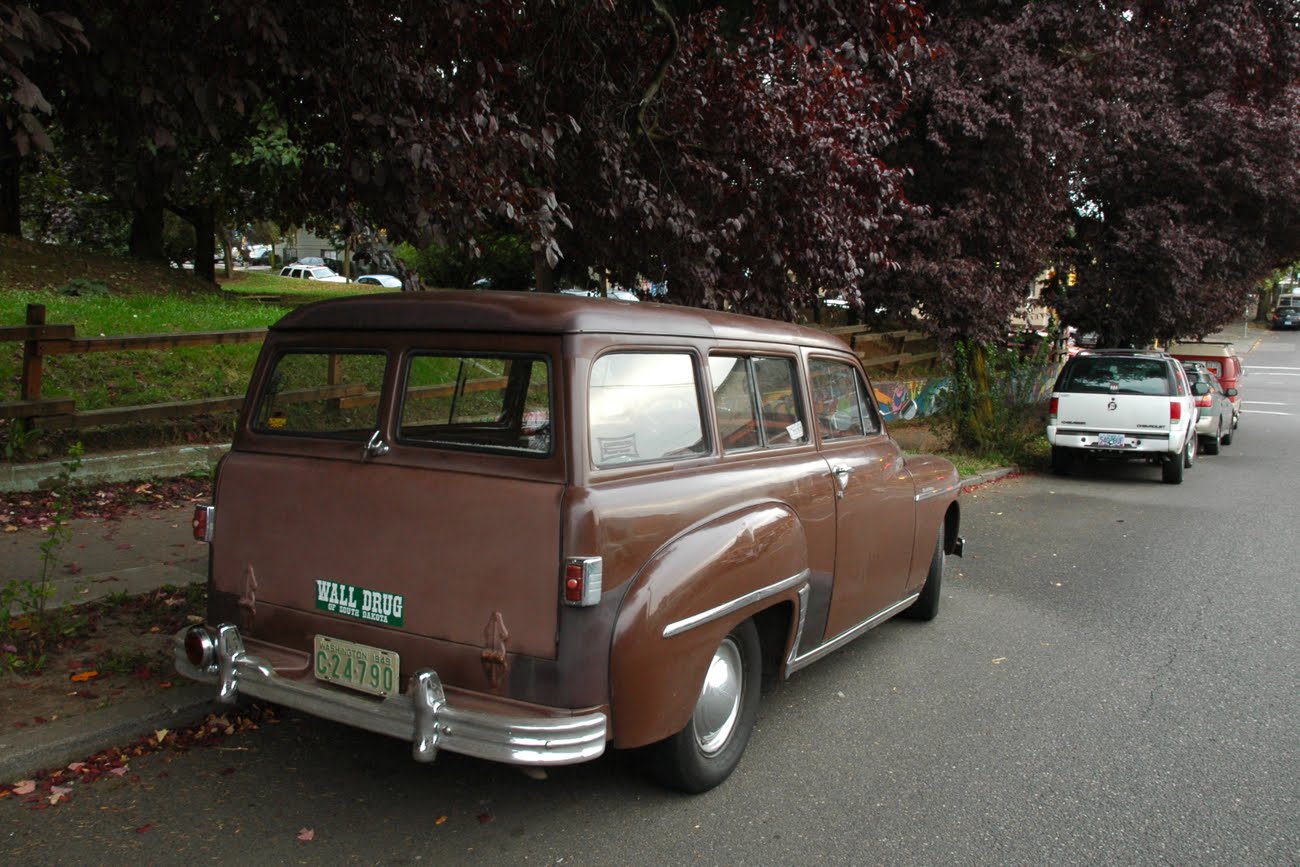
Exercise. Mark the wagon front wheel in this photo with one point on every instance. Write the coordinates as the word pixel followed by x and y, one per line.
pixel 707 750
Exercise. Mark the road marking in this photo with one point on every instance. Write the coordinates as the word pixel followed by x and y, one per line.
pixel 1264 412
pixel 1267 402
pixel 1263 367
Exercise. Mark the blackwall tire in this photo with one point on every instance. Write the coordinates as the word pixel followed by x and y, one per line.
pixel 1062 460
pixel 926 605
pixel 1172 469
pixel 1212 444
pixel 707 750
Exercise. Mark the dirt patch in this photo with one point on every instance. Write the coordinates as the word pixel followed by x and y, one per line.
pixel 104 653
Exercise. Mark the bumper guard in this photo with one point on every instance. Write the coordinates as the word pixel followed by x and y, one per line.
pixel 421 715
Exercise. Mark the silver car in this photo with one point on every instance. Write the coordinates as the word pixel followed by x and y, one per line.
pixel 1213 408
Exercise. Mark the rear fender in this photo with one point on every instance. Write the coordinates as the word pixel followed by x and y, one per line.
pixel 696 589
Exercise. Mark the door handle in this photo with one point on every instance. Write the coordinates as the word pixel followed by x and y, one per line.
pixel 375 448
pixel 841 474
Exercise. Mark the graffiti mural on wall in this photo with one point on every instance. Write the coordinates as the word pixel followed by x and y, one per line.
pixel 909 399
pixel 915 398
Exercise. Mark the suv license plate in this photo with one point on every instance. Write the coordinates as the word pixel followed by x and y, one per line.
pixel 1112 440
pixel 364 668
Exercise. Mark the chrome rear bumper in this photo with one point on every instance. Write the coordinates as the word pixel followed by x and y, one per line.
pixel 421 715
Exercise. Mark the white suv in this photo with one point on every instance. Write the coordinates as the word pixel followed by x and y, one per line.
pixel 1128 403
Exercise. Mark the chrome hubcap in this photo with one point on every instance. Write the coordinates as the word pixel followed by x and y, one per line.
pixel 719 706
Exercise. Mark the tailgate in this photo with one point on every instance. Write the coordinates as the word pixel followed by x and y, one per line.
pixel 343 540
pixel 1121 413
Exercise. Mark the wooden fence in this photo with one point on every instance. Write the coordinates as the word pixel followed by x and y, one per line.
pixel 40 340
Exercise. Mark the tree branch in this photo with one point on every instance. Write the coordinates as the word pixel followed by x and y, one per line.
pixel 661 12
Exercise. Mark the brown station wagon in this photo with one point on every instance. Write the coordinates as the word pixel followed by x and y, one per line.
pixel 528 527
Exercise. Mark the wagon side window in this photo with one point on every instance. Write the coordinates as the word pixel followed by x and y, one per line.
pixel 644 406
pixel 734 403
pixel 756 402
pixel 329 394
pixel 839 401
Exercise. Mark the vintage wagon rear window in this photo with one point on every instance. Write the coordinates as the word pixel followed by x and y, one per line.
pixel 645 406
pixel 482 402
pixel 332 394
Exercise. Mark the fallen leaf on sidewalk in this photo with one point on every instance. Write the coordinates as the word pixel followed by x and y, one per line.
pixel 59 793
pixel 160 734
pixel 144 829
pixel 306 834
pixel 83 676
pixel 24 787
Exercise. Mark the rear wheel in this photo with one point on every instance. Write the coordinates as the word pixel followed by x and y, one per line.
pixel 707 750
pixel 1172 468
pixel 926 605
pixel 1062 460
pixel 1232 429
pixel 1212 444
pixel 1189 449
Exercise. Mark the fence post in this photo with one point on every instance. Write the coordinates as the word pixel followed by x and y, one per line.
pixel 32 363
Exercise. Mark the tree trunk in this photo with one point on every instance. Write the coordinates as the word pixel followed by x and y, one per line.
pixel 147 230
pixel 11 173
pixel 227 252
pixel 204 221
pixel 543 276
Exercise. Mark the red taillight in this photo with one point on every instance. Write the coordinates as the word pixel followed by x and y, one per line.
pixel 199 647
pixel 1205 400
pixel 582 581
pixel 1055 402
pixel 204 522
pixel 1175 411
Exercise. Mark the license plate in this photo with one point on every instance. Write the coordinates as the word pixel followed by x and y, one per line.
pixel 364 668
pixel 1109 439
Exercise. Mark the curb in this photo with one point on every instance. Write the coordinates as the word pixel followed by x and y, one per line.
pixel 24 752
pixel 989 476
pixel 115 467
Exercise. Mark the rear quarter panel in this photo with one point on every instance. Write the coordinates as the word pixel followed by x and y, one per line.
pixel 654 680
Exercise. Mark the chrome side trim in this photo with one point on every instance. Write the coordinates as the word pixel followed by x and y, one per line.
pixel 804 591
pixel 931 491
pixel 422 716
pixel 680 626
pixel 794 663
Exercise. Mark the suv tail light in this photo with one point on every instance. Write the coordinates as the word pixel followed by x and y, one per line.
pixel 205 521
pixel 582 579
pixel 1055 403
pixel 1175 411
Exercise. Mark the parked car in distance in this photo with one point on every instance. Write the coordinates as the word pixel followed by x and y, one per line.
pixel 525 526
pixel 1123 403
pixel 388 281
pixel 1287 317
pixel 311 260
pixel 1214 413
pixel 311 272
pixel 1221 358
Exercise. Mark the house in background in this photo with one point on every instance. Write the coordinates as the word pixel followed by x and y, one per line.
pixel 300 243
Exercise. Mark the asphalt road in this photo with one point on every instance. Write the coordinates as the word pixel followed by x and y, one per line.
pixel 1114 678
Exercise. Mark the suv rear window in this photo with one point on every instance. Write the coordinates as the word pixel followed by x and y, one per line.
pixel 1098 374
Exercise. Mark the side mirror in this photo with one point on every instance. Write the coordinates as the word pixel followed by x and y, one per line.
pixel 1200 388
pixel 1232 392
